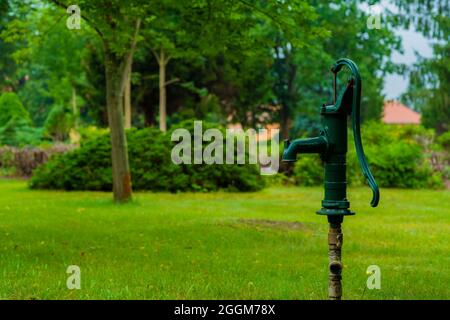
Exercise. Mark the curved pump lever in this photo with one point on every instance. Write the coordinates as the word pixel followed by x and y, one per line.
pixel 356 107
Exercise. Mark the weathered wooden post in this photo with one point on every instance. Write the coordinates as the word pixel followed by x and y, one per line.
pixel 331 144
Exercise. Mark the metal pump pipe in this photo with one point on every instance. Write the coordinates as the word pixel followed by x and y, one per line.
pixel 335 241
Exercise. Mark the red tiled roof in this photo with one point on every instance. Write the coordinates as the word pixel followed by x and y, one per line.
pixel 260 136
pixel 397 113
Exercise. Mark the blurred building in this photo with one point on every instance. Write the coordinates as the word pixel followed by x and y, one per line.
pixel 395 112
pixel 270 131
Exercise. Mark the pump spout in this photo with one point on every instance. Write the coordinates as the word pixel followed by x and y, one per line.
pixel 310 145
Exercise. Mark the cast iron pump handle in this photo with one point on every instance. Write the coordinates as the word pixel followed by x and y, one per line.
pixel 355 82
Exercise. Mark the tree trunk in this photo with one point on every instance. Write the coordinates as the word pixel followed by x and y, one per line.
pixel 127 99
pixel 292 96
pixel 115 74
pixel 117 68
pixel 285 122
pixel 162 61
pixel 75 107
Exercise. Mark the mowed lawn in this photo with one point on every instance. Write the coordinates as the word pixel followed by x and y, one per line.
pixel 265 245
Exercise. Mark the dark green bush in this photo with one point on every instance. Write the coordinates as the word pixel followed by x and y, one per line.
pixel 397 156
pixel 308 170
pixel 89 168
pixel 444 141
pixel 400 164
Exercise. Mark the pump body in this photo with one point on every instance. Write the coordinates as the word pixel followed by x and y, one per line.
pixel 332 145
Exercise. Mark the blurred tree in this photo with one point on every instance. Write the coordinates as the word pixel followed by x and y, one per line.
pixel 429 79
pixel 6 67
pixel 250 62
pixel 95 92
pixel 59 122
pixel 12 108
pixel 235 29
pixel 265 68
pixel 118 25
pixel 50 78
pixel 15 123
pixel 310 77
pixel 11 79
pixel 424 15
pixel 429 88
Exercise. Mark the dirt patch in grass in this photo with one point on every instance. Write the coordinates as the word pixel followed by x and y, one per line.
pixel 274 224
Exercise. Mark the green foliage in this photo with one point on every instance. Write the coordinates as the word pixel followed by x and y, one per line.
pixel 444 141
pixel 59 122
pixel 429 88
pixel 250 56
pixel 304 73
pixel 12 108
pixel 429 81
pixel 7 65
pixel 15 123
pixel 426 16
pixel 45 78
pixel 442 154
pixel 208 108
pixel 7 160
pixel 397 156
pixel 91 133
pixel 399 164
pixel 17 132
pixel 89 168
pixel 308 170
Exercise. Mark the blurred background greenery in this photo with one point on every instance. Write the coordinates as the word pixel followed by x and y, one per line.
pixel 251 65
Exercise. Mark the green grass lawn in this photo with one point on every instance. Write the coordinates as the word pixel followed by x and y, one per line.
pixel 266 245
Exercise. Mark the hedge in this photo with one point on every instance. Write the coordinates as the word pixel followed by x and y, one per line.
pixel 89 168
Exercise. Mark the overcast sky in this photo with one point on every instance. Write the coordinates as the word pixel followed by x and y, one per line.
pixel 395 85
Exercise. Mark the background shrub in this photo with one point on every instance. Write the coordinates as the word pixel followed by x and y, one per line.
pixel 90 133
pixel 11 107
pixel 58 123
pixel 443 141
pixel 89 167
pixel 399 156
pixel 400 164
pixel 15 123
pixel 22 161
pixel 308 170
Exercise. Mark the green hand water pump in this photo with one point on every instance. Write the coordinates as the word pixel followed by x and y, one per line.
pixel 331 145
